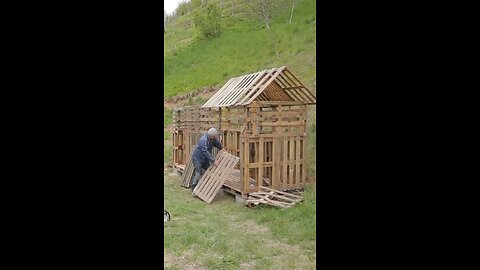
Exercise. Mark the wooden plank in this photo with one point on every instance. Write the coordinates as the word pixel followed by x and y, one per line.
pixel 188 172
pixel 245 172
pixel 239 93
pixel 233 180
pixel 265 164
pixel 297 161
pixel 272 194
pixel 260 90
pixel 267 200
pixel 295 95
pixel 208 180
pixel 276 103
pixel 291 162
pixel 305 90
pixel 242 163
pixel 258 84
pixel 274 163
pixel 294 87
pixel 305 155
pixel 215 177
pixel 261 147
pixel 271 124
pixel 216 174
pixel 289 113
pixel 284 83
pixel 211 101
pixel 281 192
pixel 220 101
pixel 234 92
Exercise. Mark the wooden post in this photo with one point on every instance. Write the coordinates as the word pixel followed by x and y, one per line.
pixel 254 110
pixel 305 139
pixel 275 166
pixel 285 163
pixel 260 162
pixel 297 161
pixel 246 170
pixel 220 118
pixel 291 162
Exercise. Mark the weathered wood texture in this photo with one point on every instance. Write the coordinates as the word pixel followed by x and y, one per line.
pixel 215 177
pixel 188 173
pixel 276 84
pixel 271 148
pixel 195 119
pixel 273 197
pixel 262 119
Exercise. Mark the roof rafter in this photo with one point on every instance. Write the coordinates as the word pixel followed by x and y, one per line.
pixel 272 85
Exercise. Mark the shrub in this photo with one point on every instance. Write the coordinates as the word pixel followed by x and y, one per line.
pixel 207 20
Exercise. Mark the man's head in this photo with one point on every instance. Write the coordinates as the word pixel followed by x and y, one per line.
pixel 212 133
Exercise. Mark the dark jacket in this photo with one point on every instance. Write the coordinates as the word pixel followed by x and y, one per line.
pixel 203 150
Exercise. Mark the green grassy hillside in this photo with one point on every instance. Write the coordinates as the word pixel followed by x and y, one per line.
pixel 245 46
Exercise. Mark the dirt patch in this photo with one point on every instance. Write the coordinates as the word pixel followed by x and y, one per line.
pixel 181 100
pixel 250 227
pixel 247 266
pixel 182 262
pixel 285 251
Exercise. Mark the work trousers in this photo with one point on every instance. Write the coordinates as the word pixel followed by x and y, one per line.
pixel 200 166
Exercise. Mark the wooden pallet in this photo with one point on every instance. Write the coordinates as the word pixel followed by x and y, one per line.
pixel 215 176
pixel 273 197
pixel 188 172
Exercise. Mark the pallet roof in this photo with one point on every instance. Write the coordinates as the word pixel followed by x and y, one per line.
pixel 276 84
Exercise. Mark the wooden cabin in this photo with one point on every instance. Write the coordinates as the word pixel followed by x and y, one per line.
pixel 262 119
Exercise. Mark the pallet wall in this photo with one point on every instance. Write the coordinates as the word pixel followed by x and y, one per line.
pixel 269 138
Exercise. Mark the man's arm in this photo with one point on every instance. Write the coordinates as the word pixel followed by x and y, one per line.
pixel 218 145
pixel 205 151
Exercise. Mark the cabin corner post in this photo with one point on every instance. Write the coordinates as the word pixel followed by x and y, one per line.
pixel 305 143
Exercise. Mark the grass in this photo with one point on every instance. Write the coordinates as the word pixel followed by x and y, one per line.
pixel 244 47
pixel 226 235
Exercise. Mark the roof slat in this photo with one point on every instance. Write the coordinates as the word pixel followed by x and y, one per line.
pixel 258 86
pixel 240 92
pixel 219 92
pixel 266 84
pixel 276 84
pixel 232 90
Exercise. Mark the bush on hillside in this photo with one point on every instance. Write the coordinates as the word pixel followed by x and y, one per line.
pixel 207 20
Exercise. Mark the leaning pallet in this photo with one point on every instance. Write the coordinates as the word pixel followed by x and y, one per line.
pixel 188 173
pixel 215 176
pixel 273 197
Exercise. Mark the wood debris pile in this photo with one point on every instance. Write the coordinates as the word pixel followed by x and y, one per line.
pixel 273 197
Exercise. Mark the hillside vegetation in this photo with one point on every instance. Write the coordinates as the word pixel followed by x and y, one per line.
pixel 244 46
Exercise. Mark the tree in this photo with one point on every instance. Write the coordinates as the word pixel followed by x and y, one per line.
pixel 264 9
pixel 207 20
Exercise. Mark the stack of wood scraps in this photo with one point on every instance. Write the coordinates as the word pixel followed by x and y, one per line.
pixel 273 197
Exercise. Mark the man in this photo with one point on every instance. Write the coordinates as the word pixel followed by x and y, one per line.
pixel 202 157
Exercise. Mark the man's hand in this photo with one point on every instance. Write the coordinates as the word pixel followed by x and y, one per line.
pixel 216 163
